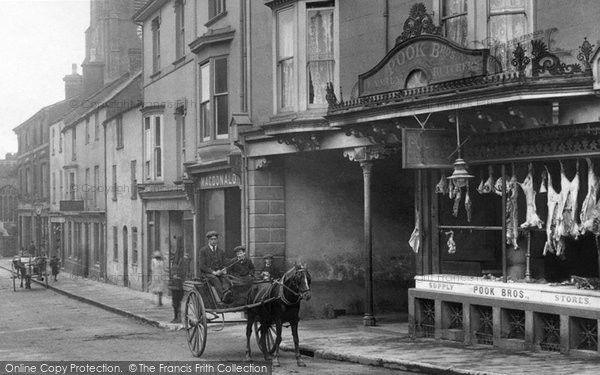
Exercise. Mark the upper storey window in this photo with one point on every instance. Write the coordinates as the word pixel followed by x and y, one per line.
pixel 215 8
pixel 214 99
pixel 180 28
pixel 454 20
pixel 507 23
pixel 305 54
pixel 156 44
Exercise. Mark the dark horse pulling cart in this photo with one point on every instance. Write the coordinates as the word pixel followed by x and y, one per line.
pixel 267 306
pixel 26 267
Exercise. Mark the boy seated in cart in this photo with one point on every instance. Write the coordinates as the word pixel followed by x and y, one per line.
pixel 240 272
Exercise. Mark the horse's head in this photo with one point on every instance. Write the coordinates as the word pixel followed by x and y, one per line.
pixel 297 282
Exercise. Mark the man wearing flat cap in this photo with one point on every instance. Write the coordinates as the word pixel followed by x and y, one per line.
pixel 212 266
pixel 269 271
pixel 240 268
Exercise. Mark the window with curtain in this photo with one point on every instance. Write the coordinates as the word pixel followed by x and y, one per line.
pixel 507 22
pixel 221 98
pixel 205 101
pixel 153 136
pixel 285 58
pixel 215 7
pixel 156 44
pixel 454 20
pixel 319 53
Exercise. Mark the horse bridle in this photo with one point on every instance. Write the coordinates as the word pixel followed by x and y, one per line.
pixel 301 294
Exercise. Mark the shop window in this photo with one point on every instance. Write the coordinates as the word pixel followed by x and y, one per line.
pixel 454 20
pixel 305 65
pixel 214 99
pixel 153 158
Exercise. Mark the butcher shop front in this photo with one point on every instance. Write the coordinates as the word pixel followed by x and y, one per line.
pixel 507 223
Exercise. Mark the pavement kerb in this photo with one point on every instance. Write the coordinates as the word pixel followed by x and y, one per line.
pixel 410 366
pixel 104 306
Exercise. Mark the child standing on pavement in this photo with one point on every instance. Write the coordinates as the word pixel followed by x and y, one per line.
pixel 158 285
pixel 55 266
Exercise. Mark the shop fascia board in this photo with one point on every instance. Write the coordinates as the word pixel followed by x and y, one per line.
pixel 366 115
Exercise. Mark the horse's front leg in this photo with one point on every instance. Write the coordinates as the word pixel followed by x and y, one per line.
pixel 299 361
pixel 278 329
pixel 249 324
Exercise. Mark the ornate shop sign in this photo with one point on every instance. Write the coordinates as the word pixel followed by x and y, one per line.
pixel 421 61
pixel 219 180
pixel 428 148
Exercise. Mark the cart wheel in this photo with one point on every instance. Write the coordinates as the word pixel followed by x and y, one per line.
pixel 269 339
pixel 195 323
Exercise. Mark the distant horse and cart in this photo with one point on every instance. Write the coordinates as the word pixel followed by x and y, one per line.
pixel 267 306
pixel 26 267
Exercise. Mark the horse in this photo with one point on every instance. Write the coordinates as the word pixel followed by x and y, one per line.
pixel 35 265
pixel 279 303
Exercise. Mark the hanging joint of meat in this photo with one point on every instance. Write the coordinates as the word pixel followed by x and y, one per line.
pixel 450 242
pixel 589 203
pixel 442 186
pixel 468 205
pixel 457 197
pixel 488 187
pixel 532 220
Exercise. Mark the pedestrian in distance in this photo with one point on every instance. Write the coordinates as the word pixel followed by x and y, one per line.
pixel 158 285
pixel 179 272
pixel 55 266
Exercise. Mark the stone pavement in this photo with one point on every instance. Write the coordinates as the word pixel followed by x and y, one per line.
pixel 344 338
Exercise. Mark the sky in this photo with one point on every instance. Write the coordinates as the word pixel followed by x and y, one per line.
pixel 39 40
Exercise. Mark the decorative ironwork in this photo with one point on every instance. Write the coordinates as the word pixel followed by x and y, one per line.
pixel 425 324
pixel 516 324
pixel 543 61
pixel 382 135
pixel 485 331
pixel 538 143
pixel 550 341
pixel 368 153
pixel 417 23
pixel 455 313
pixel 585 51
pixel 588 334
pixel 302 141
pixel 521 60
pixel 330 95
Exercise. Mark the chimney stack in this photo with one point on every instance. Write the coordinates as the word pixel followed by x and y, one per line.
pixel 93 77
pixel 73 83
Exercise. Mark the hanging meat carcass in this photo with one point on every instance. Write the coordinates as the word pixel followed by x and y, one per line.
pixel 415 238
pixel 553 243
pixel 481 185
pixel 532 220
pixel 512 193
pixel 442 186
pixel 450 242
pixel 457 197
pixel 451 190
pixel 468 205
pixel 568 227
pixel 589 203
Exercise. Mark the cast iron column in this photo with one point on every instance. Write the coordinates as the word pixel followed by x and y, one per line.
pixel 369 318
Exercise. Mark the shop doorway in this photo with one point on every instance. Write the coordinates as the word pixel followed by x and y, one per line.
pixel 221 211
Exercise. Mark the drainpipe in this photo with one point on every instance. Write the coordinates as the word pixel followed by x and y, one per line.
pixel 243 57
pixel 386 22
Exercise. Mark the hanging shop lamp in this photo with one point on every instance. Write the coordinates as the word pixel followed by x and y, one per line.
pixel 460 176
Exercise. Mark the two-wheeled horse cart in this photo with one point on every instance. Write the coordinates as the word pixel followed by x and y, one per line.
pixel 202 307
pixel 26 267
